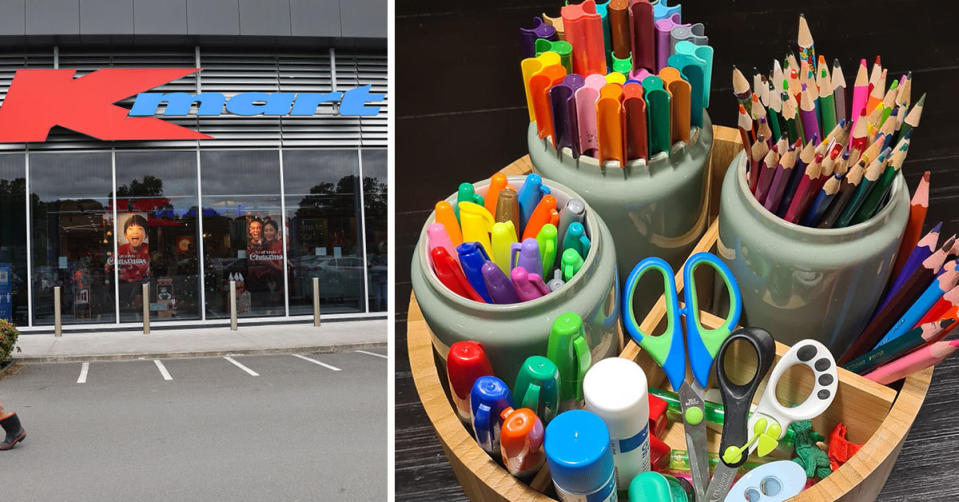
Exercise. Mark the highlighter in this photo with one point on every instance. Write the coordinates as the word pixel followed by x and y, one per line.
pixel 488 398
pixel 542 215
pixel 528 286
pixel 477 223
pixel 507 208
pixel 526 255
pixel 570 264
pixel 547 248
pixel 537 387
pixel 447 217
pixel 437 237
pixel 472 258
pixel 465 363
pixel 521 442
pixel 466 193
pixel 539 86
pixel 496 183
pixel 451 275
pixel 503 236
pixel 532 66
pixel 573 211
pixel 499 286
pixel 576 239
pixel 568 350
pixel 529 196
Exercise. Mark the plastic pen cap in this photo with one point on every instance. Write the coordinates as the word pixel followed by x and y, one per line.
pixel 652 486
pixel 576 238
pixel 577 450
pixel 507 208
pixel 476 223
pixel 521 432
pixel 488 398
pixel 537 387
pixel 547 248
pixel 466 193
pixel 447 217
pixel 465 363
pixel 437 236
pixel 503 237
pixel 622 407
pixel 499 287
pixel 496 184
pixel 567 349
pixel 574 210
pixel 529 196
pixel 570 264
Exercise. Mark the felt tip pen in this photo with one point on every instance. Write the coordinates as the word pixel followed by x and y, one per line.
pixel 573 211
pixel 571 264
pixel 437 237
pixel 528 286
pixel 537 387
pixel 521 442
pixel 445 216
pixel 466 193
pixel 448 271
pixel 476 223
pixel 557 281
pixel 545 213
pixel 576 239
pixel 526 255
pixel 507 208
pixel 503 237
pixel 488 398
pixel 465 362
pixel 496 184
pixel 568 350
pixel 529 196
pixel 547 248
pixel 499 286
pixel 472 258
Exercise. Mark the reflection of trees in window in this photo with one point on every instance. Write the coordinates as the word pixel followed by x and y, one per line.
pixel 332 202
pixel 151 186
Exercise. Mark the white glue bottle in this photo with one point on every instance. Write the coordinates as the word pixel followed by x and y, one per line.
pixel 615 389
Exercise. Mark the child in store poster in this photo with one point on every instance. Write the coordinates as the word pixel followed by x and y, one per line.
pixel 133 248
pixel 264 251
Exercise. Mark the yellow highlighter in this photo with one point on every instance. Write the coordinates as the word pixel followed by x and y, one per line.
pixel 476 223
pixel 532 66
pixel 616 78
pixel 504 235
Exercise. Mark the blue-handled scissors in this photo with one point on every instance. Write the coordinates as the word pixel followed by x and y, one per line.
pixel 702 345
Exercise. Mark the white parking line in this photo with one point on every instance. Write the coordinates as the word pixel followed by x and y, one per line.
pixel 84 369
pixel 371 354
pixel 163 371
pixel 238 365
pixel 314 361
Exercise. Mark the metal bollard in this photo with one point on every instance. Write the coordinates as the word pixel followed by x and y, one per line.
pixel 57 325
pixel 316 302
pixel 146 308
pixel 233 305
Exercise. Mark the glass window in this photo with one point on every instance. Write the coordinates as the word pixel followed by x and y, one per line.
pixel 72 234
pixel 322 210
pixel 13 239
pixel 375 210
pixel 157 232
pixel 242 234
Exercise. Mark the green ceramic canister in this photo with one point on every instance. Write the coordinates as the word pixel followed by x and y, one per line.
pixel 511 333
pixel 655 208
pixel 799 282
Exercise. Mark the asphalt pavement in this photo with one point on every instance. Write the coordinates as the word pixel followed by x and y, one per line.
pixel 294 426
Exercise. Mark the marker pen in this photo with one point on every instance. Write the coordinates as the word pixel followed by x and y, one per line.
pixel 472 258
pixel 529 196
pixel 526 255
pixel 537 387
pixel 573 211
pixel 488 398
pixel 568 350
pixel 576 238
pixel 657 487
pixel 465 363
pixel 579 458
pixel 615 390
pixel 521 442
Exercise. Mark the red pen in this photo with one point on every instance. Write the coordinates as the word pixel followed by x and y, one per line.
pixel 451 275
pixel 541 216
pixel 465 363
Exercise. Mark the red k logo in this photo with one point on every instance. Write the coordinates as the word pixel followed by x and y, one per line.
pixel 40 99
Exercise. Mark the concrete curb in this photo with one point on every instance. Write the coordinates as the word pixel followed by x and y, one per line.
pixel 313 349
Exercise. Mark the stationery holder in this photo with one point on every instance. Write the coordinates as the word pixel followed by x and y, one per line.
pixel 654 208
pixel 511 333
pixel 799 282
pixel 875 415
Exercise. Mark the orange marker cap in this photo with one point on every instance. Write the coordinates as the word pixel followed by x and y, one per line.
pixel 446 217
pixel 521 433
pixel 496 183
pixel 539 86
pixel 541 216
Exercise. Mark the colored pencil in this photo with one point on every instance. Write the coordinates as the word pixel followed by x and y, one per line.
pixel 923 249
pixel 823 199
pixel 781 179
pixel 860 93
pixel 872 174
pixel 949 301
pixel 741 88
pixel 839 89
pixel 846 191
pixel 757 153
pixel 766 174
pixel 884 185
pixel 888 315
pixel 929 332
pixel 919 360
pixel 912 119
pixel 805 157
pixel 807 48
pixel 917 216
pixel 827 107
pixel 939 287
pixel 807 190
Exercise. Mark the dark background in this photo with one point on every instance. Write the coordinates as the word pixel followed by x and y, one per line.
pixel 462 116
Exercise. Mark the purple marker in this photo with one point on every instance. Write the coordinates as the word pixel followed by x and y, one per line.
pixel 528 286
pixel 663 27
pixel 528 252
pixel 563 101
pixel 539 30
pixel 499 286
